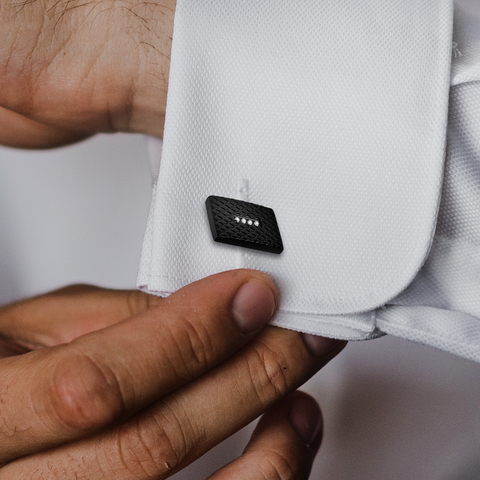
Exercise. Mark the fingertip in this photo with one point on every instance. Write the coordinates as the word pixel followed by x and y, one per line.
pixel 321 346
pixel 305 416
pixel 253 306
pixel 284 443
pixel 245 275
pixel 249 297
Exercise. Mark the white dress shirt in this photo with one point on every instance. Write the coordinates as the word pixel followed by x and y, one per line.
pixel 335 115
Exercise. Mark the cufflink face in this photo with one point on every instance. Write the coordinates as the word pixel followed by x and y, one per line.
pixel 243 224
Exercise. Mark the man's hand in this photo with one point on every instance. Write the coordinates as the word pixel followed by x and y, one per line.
pixel 99 384
pixel 106 384
pixel 72 68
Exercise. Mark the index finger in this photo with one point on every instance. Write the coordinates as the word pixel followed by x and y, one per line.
pixel 59 394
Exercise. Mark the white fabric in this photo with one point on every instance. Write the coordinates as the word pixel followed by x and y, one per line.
pixel 334 115
pixel 466 42
pixel 442 306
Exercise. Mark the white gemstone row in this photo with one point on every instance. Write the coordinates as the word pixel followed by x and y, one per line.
pixel 247 221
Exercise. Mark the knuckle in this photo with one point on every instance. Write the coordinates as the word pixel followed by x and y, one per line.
pixel 137 302
pixel 194 346
pixel 153 445
pixel 269 374
pixel 83 394
pixel 278 466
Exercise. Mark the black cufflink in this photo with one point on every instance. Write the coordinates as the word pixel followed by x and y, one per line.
pixel 243 224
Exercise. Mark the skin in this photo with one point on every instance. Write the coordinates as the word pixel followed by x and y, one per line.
pixel 73 68
pixel 117 384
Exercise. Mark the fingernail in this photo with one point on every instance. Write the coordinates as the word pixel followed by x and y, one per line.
pixel 253 306
pixel 306 418
pixel 320 346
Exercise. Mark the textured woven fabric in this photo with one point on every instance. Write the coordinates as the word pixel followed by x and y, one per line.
pixel 334 115
pixel 442 306
pixel 466 42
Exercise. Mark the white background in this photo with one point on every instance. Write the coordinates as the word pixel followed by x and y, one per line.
pixel 393 410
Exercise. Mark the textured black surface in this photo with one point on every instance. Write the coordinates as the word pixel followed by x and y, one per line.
pixel 243 224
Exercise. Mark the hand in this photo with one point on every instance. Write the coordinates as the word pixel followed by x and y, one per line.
pixel 72 68
pixel 120 385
